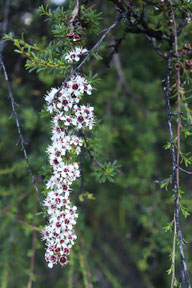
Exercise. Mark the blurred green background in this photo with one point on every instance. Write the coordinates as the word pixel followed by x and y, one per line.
pixel 121 241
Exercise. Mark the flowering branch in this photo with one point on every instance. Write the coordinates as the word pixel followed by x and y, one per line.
pixel 78 68
pixel 70 119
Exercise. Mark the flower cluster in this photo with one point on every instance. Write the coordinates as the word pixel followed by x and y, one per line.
pixel 68 96
pixel 68 117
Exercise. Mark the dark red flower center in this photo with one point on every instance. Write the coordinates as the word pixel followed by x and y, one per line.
pixel 65 187
pixel 64 201
pixel 66 251
pixel 67 221
pixel 80 119
pixel 58 200
pixel 65 102
pixel 75 86
pixel 85 86
pixel 58 224
pixel 53 259
pixel 55 162
pixel 57 153
pixel 57 250
pixel 63 260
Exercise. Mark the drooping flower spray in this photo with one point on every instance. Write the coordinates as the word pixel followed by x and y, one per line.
pixel 68 117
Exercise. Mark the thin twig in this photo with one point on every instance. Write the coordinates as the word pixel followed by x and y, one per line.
pixel 188 172
pixel 22 142
pixel 89 152
pixel 13 103
pixel 140 25
pixel 178 82
pixel 22 221
pixel 156 47
pixel 163 181
pixel 177 113
pixel 174 167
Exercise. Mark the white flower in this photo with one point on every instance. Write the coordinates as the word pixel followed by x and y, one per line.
pixel 50 95
pixel 50 265
pixel 74 55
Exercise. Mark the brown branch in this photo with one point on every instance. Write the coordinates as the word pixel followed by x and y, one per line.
pixel 29 225
pixel 174 169
pixel 178 135
pixel 176 177
pixel 22 221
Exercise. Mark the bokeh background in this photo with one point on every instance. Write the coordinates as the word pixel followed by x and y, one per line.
pixel 121 241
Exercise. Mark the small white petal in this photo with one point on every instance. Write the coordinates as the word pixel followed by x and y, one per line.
pixel 50 265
